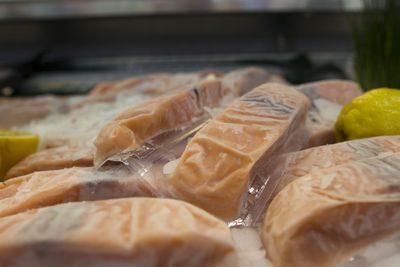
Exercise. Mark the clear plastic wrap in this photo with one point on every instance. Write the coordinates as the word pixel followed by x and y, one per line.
pixel 156 158
pixel 120 232
pixel 323 218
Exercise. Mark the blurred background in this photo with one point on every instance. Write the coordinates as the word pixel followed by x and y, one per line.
pixel 64 47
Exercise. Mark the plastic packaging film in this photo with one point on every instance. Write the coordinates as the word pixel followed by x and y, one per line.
pixel 325 217
pixel 121 232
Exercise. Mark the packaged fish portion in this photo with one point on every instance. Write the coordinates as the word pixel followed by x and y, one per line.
pixel 53 159
pixel 306 161
pixel 225 156
pixel 327 100
pixel 183 105
pixel 325 217
pixel 121 232
pixel 129 129
pixel 47 188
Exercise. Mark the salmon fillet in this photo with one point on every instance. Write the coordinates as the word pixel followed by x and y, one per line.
pixel 125 232
pixel 312 159
pixel 47 188
pixel 152 117
pixel 327 99
pixel 134 125
pixel 326 216
pixel 214 170
pixel 53 159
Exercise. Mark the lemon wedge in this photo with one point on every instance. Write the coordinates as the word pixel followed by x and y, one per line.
pixel 15 146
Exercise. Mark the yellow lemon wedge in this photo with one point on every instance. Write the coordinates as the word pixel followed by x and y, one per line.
pixel 15 146
pixel 374 113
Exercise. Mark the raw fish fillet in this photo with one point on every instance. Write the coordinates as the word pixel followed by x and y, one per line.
pixel 47 188
pixel 327 99
pixel 309 160
pixel 152 117
pixel 324 217
pixel 215 169
pixel 53 159
pixel 167 112
pixel 122 232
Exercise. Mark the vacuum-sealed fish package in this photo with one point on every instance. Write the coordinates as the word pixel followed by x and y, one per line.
pixel 224 158
pixel 325 217
pixel 297 164
pixel 119 232
pixel 183 105
pixel 47 188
